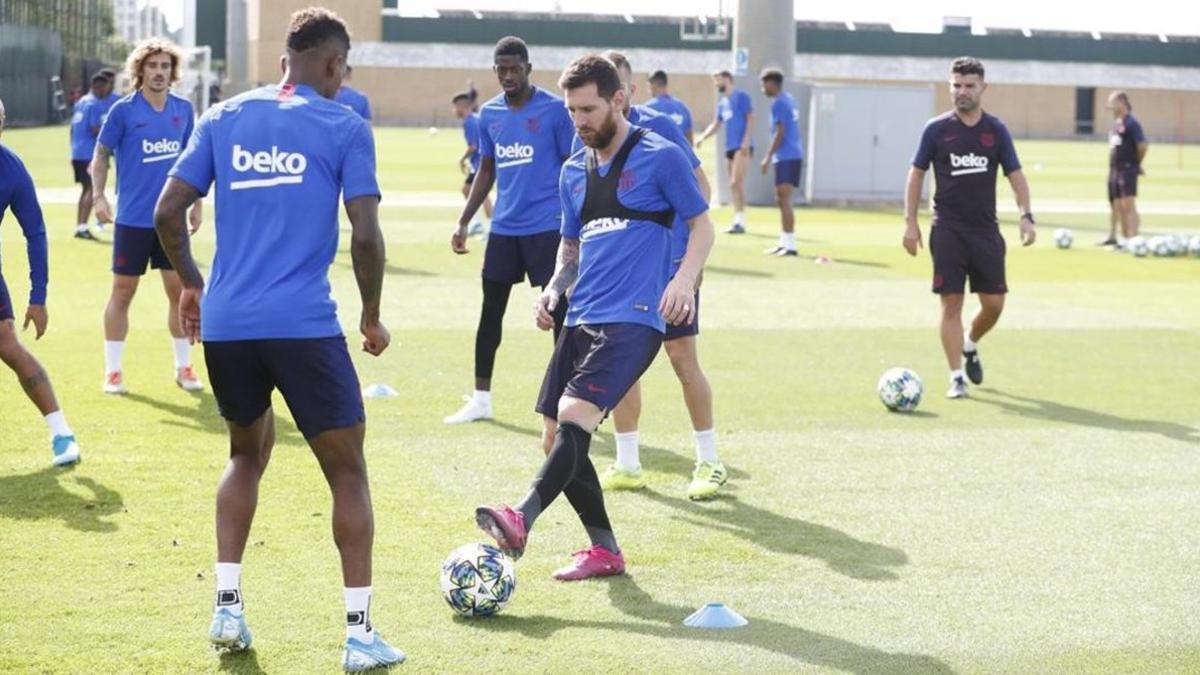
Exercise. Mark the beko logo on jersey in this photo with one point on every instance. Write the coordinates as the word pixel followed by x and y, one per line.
pixel 599 226
pixel 970 163
pixel 513 154
pixel 288 167
pixel 157 151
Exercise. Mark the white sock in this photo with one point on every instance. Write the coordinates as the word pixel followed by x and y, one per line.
pixel 58 424
pixel 627 450
pixel 782 239
pixel 81 227
pixel 789 241
pixel 229 587
pixel 739 217
pixel 358 614
pixel 706 445
pixel 183 352
pixel 484 397
pixel 968 344
pixel 114 350
pixel 957 375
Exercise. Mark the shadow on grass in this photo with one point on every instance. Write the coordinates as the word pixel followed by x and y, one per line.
pixel 389 268
pixel 204 416
pixel 43 495
pixel 737 272
pixel 241 662
pixel 1025 406
pixel 843 553
pixel 663 620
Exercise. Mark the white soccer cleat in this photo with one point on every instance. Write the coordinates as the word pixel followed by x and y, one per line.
pixel 186 379
pixel 958 388
pixel 471 411
pixel 114 383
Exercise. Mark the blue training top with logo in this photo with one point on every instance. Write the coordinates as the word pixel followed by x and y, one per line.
pixel 1123 141
pixel 98 112
pixel 279 156
pixel 529 145
pixel 355 99
pixel 624 264
pixel 732 110
pixel 673 108
pixel 471 136
pixel 82 140
pixel 17 191
pixel 964 167
pixel 784 111
pixel 145 142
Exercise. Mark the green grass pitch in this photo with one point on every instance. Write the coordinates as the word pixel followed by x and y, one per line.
pixel 1048 524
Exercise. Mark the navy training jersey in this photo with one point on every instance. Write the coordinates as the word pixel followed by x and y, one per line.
pixel 1123 141
pixel 280 157
pixel 145 142
pixel 625 262
pixel 529 145
pixel 673 108
pixel 964 162
pixel 17 192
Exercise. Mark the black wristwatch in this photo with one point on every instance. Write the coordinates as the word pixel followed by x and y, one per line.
pixel 1029 215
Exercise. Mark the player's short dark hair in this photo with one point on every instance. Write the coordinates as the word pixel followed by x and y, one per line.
pixel 658 77
pixel 99 76
pixel 511 45
pixel 772 75
pixel 107 72
pixel 315 26
pixel 461 96
pixel 967 65
pixel 619 60
pixel 592 68
pixel 1121 94
pixel 349 69
pixel 723 73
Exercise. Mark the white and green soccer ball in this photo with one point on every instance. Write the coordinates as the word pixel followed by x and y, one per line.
pixel 478 580
pixel 1063 238
pixel 1138 246
pixel 900 390
pixel 1193 247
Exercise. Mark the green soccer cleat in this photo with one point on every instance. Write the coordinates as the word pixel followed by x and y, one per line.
pixel 707 479
pixel 617 477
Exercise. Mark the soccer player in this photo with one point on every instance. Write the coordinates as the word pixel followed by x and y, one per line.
pixel 668 105
pixel 524 135
pixel 279 156
pixel 1127 150
pixel 786 153
pixel 679 340
pixel 736 112
pixel 965 146
pixel 83 144
pixel 355 99
pixel 469 162
pixel 620 197
pixel 146 130
pixel 17 191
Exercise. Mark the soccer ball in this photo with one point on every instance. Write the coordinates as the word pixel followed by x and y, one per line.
pixel 433 131
pixel 900 390
pixel 1138 246
pixel 1176 244
pixel 478 580
pixel 1160 246
pixel 1063 238
pixel 1193 246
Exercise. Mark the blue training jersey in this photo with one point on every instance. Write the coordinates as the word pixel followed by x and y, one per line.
pixel 82 140
pixel 784 111
pixel 471 136
pixel 280 156
pixel 649 118
pixel 355 99
pixel 145 142
pixel 17 192
pixel 673 108
pixel 732 110
pixel 529 145
pixel 624 264
pixel 98 112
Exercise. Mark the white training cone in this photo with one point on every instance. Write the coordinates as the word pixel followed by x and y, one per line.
pixel 379 391
pixel 715 615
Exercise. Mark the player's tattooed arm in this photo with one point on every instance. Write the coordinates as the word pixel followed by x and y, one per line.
pixel 566 269
pixel 170 221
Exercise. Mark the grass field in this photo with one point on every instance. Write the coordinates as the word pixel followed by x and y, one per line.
pixel 1048 524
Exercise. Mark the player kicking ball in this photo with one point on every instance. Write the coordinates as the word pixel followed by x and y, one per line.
pixel 620 196
pixel 965 146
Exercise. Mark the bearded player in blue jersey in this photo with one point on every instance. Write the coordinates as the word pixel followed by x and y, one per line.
pixel 280 156
pixel 146 131
pixel 620 197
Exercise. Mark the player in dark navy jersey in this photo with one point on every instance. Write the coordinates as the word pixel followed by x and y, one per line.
pixel 524 136
pixel 620 197
pixel 1127 150
pixel 965 147
pixel 469 161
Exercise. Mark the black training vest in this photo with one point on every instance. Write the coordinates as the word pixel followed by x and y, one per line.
pixel 600 200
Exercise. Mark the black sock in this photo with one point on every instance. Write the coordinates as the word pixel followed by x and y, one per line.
pixel 560 468
pixel 491 322
pixel 587 498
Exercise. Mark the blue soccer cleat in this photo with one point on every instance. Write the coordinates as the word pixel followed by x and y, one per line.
pixel 229 631
pixel 65 449
pixel 359 656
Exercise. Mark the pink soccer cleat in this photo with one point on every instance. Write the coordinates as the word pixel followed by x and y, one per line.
pixel 596 561
pixel 506 526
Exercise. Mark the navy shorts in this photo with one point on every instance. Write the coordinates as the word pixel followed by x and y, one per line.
pixel 133 247
pixel 315 376
pixel 80 167
pixel 509 259
pixel 1122 182
pixel 787 172
pixel 597 363
pixel 960 254
pixel 6 308
pixel 687 330
pixel 730 153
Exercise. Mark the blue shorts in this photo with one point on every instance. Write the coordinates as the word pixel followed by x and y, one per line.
pixel 315 376
pixel 597 363
pixel 134 247
pixel 6 308
pixel 787 172
pixel 687 330
pixel 509 259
